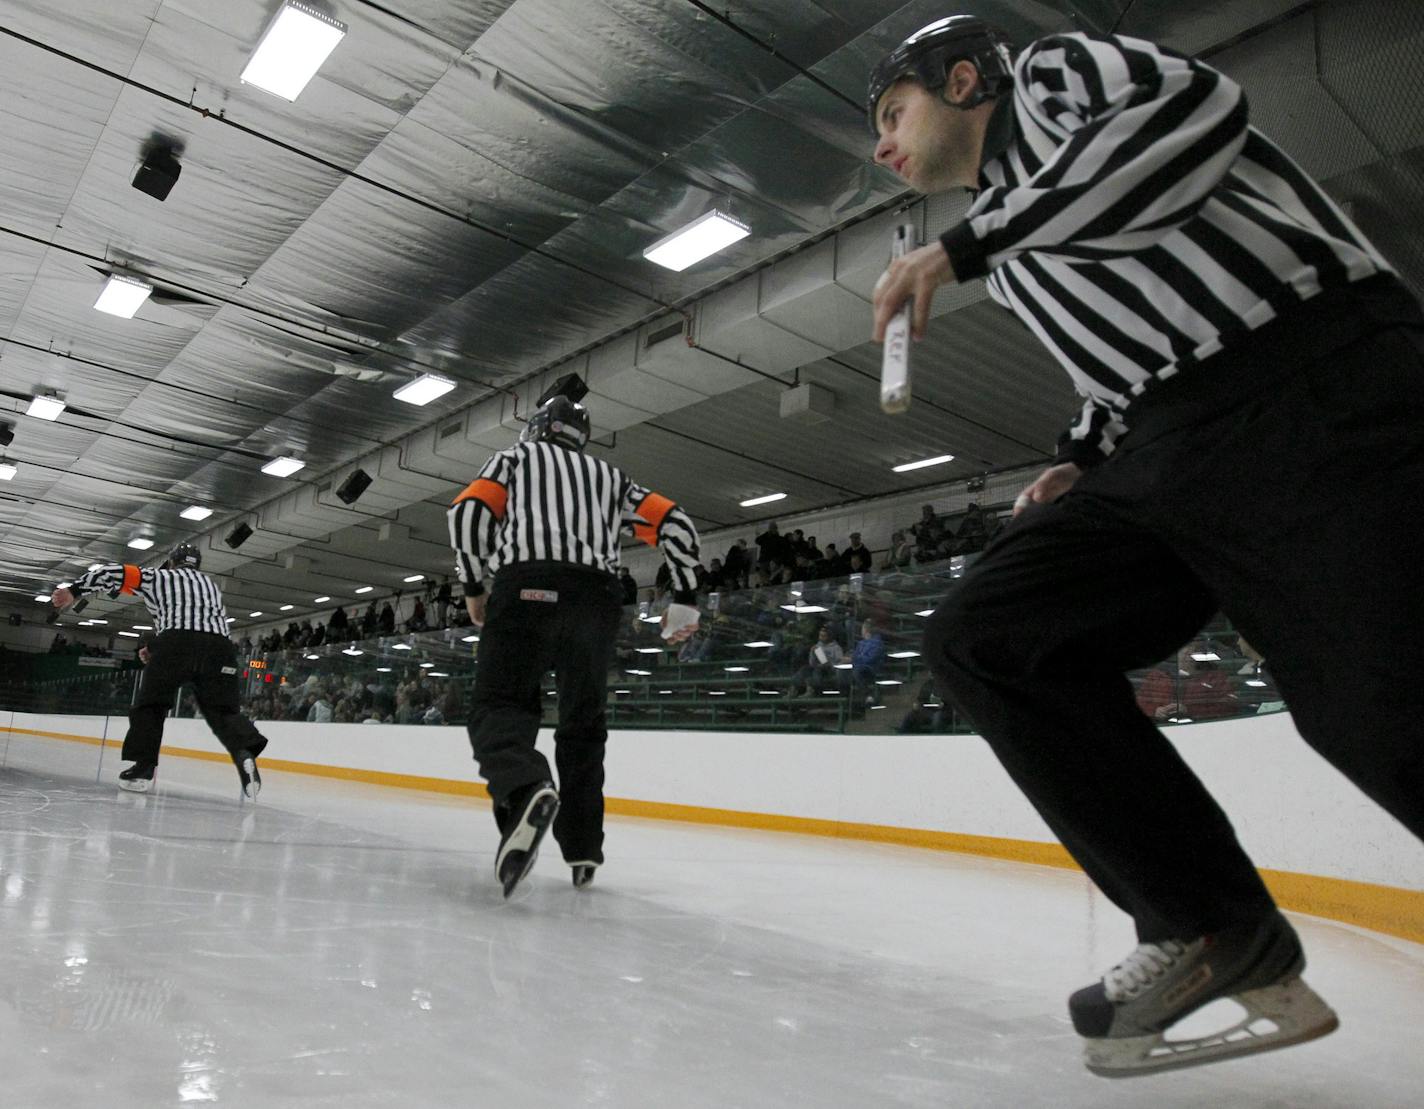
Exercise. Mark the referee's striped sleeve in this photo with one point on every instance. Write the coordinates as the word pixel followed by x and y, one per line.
pixel 180 599
pixel 1143 137
pixel 659 522
pixel 474 520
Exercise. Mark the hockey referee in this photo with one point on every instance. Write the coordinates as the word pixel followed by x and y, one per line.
pixel 544 519
pixel 190 644
pixel 1251 440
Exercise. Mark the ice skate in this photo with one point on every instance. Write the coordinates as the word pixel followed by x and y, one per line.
pixel 247 771
pixel 1125 1018
pixel 138 778
pixel 583 873
pixel 528 816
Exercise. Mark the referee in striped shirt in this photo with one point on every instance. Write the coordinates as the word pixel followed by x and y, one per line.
pixel 1251 440
pixel 543 518
pixel 190 645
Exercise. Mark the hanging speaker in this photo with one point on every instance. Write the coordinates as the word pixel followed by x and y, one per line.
pixel 353 486
pixel 570 385
pixel 238 536
pixel 159 172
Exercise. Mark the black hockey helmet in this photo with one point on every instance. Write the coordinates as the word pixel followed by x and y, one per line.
pixel 928 54
pixel 185 554
pixel 558 420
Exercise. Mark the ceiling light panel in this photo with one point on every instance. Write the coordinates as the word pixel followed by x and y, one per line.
pixel 294 47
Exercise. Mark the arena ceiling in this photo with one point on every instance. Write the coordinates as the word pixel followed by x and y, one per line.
pixel 466 188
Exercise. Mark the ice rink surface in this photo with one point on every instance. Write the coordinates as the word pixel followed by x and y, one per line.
pixel 346 945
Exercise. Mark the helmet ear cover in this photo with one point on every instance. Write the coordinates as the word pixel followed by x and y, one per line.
pixel 558 420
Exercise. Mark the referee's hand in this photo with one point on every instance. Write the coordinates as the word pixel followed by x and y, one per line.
pixel 476 606
pixel 918 274
pixel 61 599
pixel 1048 486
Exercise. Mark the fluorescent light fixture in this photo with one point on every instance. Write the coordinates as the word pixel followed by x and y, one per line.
pixel 287 608
pixel 313 657
pixel 904 654
pixel 366 589
pixel 64 585
pixel 45 407
pixel 640 673
pixel 889 681
pixel 1255 683
pixel 1206 656
pixel 196 512
pixel 469 639
pixel 292 50
pixel 130 635
pixel 665 692
pixel 320 600
pixel 805 608
pixel 736 669
pixel 716 693
pixel 442 674
pixel 232 619
pixel 937 460
pixel 763 500
pixel 7 471
pixel 41 596
pixel 123 296
pixel 400 647
pixel 254 614
pixel 426 665
pixel 383 669
pixel 143 627
pixel 759 643
pixel 414 577
pixel 925 612
pixel 768 692
pixel 424 389
pixel 140 542
pixel 704 236
pixel 353 651
pixel 283 467
pixel 844 665
pixel 650 650
pixel 96 620
pixel 625 692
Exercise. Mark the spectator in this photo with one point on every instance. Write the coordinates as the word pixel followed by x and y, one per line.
pixel 773 547
pixel 972 533
pixel 319 710
pixel 336 626
pixel 856 559
pixel 738 565
pixel 927 533
pixel 369 621
pixel 716 578
pixel 830 564
pixel 900 552
pixel 416 623
pixel 866 661
pixel 628 585
pixel 820 665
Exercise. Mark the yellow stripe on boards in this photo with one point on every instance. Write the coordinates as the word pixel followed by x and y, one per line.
pixel 1387 909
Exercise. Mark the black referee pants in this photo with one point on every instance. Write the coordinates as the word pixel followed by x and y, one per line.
pixel 209 662
pixel 1290 495
pixel 542 617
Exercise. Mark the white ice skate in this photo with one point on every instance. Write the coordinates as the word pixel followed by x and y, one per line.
pixel 1126 1020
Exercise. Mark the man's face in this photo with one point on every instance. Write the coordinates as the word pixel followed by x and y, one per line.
pixel 930 145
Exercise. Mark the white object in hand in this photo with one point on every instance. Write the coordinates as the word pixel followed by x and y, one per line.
pixel 895 355
pixel 679 617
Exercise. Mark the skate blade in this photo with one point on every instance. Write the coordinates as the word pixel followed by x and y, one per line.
pixel 253 786
pixel 1277 1016
pixel 519 852
pixel 137 785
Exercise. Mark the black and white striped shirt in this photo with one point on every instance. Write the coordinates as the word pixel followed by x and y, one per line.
pixel 540 502
pixel 1137 224
pixel 183 599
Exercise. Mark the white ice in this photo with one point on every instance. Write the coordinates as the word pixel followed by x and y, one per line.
pixel 346 945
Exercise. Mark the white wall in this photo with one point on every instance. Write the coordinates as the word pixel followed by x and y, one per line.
pixel 1291 810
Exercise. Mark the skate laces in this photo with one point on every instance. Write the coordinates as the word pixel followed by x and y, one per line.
pixel 1142 969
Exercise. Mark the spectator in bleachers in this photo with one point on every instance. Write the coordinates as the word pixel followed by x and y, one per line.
pixel 928 533
pixel 972 533
pixel 628 585
pixel 820 665
pixel 444 597
pixel 856 559
pixel 772 547
pixel 337 625
pixel 319 709
pixel 738 565
pixel 829 565
pixel 417 623
pixel 865 661
pixel 715 580
pixel 900 553
pixel 369 621
pixel 386 622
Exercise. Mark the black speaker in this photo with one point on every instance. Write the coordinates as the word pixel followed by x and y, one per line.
pixel 353 486
pixel 158 174
pixel 238 536
pixel 7 434
pixel 570 385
